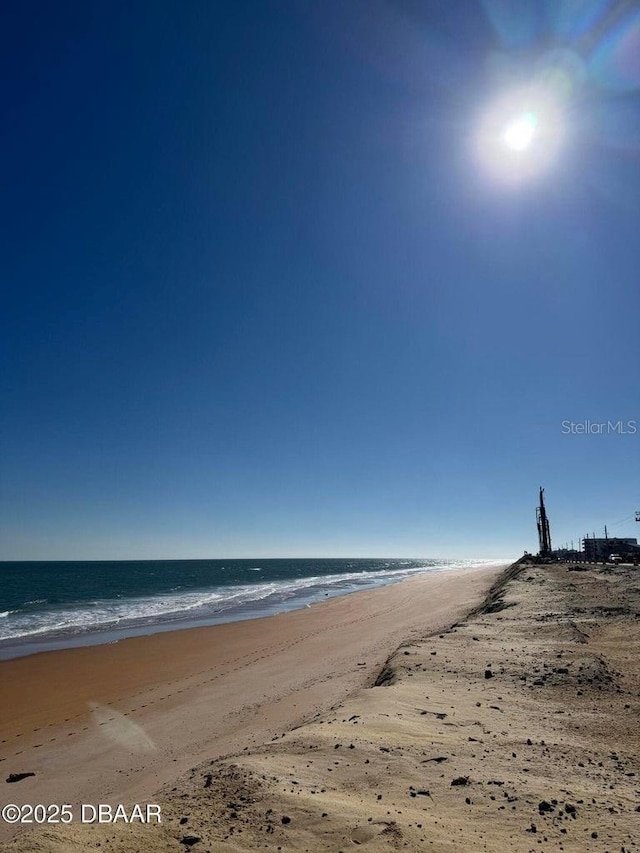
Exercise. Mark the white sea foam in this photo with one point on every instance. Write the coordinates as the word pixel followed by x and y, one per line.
pixel 220 603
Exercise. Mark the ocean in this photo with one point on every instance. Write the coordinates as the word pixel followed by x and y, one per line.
pixel 48 605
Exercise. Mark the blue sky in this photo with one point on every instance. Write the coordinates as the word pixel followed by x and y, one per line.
pixel 262 297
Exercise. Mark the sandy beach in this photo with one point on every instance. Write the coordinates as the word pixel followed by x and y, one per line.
pixel 503 719
pixel 115 723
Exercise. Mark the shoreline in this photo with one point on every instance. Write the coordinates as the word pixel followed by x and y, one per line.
pixel 114 722
pixel 32 644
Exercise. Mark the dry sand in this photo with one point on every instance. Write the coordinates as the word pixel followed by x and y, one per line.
pixel 116 723
pixel 517 729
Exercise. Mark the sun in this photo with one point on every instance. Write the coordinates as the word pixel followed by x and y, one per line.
pixel 520 134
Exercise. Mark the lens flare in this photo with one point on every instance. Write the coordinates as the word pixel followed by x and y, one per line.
pixel 615 64
pixel 570 19
pixel 520 134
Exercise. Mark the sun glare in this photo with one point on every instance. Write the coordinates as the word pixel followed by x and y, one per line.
pixel 519 135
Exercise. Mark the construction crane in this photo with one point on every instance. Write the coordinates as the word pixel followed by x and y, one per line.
pixel 544 533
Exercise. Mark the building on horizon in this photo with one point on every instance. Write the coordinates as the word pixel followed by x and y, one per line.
pixel 598 550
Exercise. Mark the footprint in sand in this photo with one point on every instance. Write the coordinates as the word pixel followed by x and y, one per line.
pixel 362 834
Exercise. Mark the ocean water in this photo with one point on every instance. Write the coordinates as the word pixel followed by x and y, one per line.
pixel 47 605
